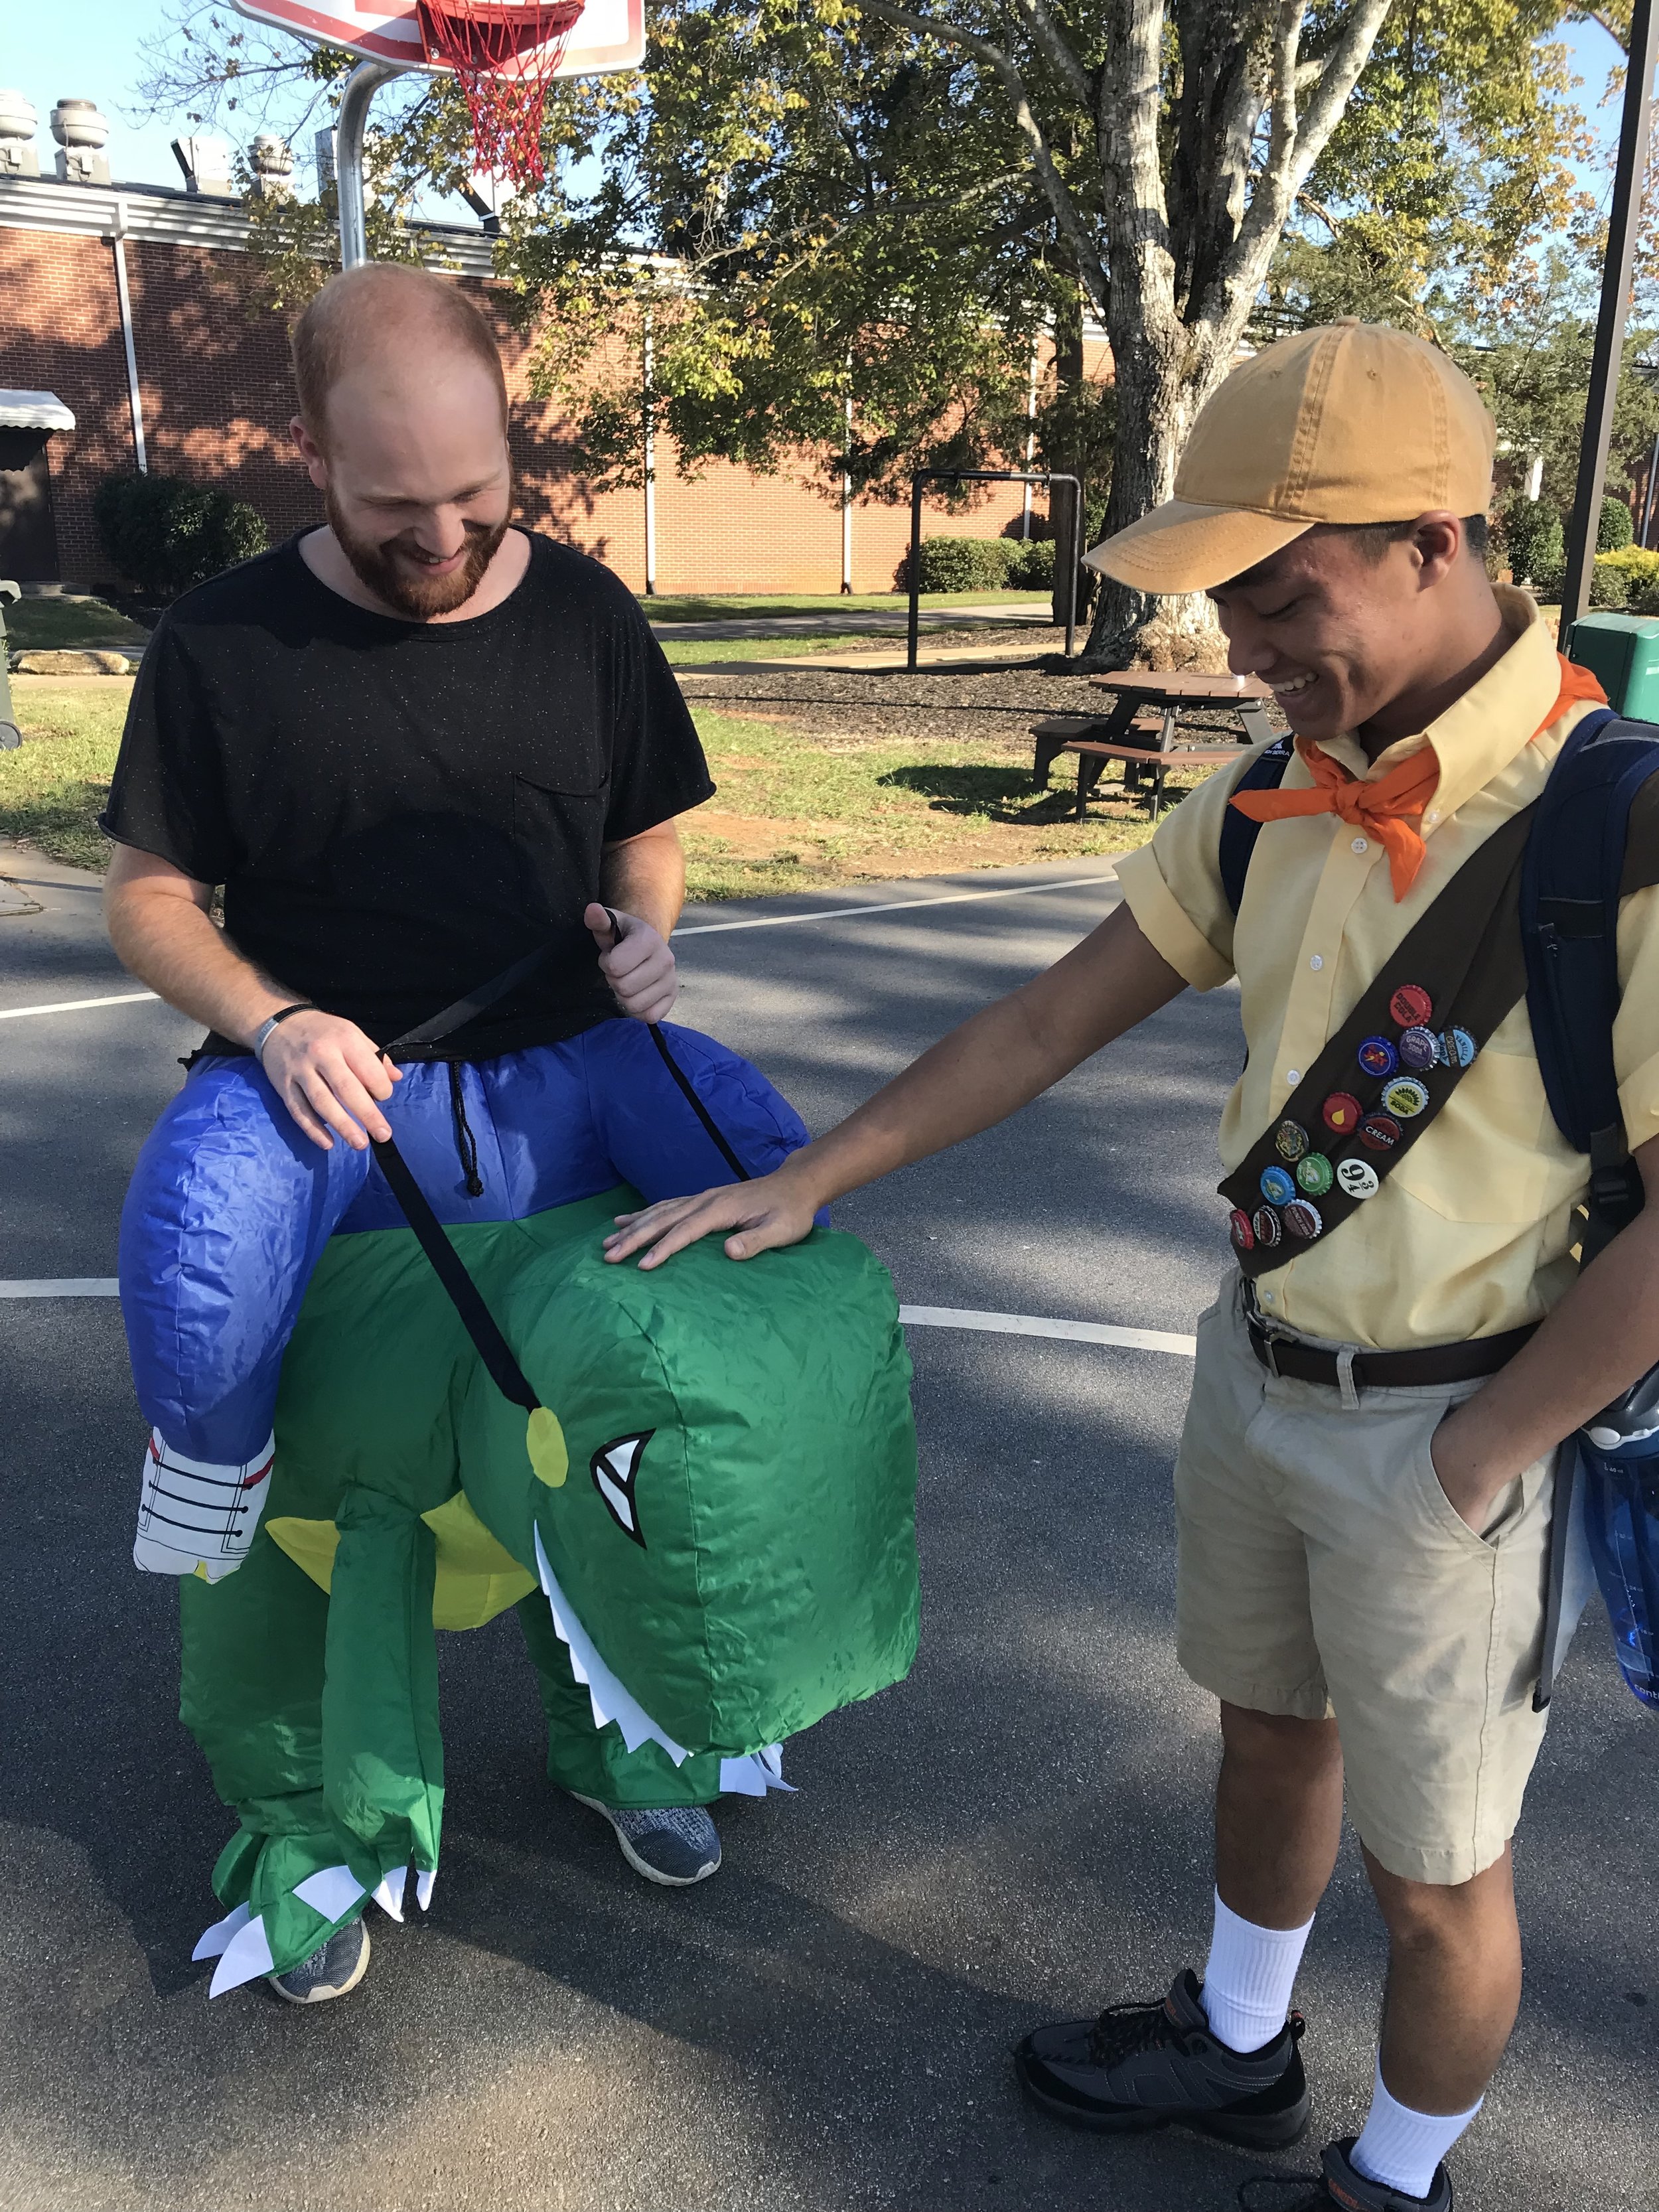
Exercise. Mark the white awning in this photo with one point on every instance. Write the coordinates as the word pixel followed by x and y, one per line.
pixel 33 411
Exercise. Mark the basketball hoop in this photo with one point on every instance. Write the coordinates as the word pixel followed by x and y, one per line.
pixel 504 55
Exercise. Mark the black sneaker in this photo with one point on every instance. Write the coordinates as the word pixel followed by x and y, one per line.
pixel 1158 2066
pixel 1338 2188
pixel 332 1970
pixel 673 1844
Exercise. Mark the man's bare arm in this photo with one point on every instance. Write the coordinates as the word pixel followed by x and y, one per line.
pixel 326 1071
pixel 1594 1344
pixel 642 882
pixel 978 1075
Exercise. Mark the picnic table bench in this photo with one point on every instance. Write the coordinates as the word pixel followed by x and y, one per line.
pixel 1141 727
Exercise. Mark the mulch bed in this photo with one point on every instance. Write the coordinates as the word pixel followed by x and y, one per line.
pixel 998 705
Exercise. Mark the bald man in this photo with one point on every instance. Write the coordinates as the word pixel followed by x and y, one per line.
pixel 413 746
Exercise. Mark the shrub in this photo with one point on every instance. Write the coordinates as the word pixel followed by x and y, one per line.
pixel 1534 538
pixel 165 534
pixel 1609 587
pixel 1636 562
pixel 1032 568
pixel 1615 528
pixel 961 564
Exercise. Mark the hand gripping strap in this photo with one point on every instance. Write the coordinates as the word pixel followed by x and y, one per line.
pixel 1465 951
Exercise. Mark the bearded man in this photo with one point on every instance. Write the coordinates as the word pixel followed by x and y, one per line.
pixel 416 747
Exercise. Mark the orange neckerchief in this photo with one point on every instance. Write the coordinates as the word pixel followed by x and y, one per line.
pixel 1387 808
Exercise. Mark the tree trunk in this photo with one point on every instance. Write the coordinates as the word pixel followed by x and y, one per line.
pixel 1159 391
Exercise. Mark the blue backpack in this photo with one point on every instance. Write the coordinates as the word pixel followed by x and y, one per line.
pixel 1573 876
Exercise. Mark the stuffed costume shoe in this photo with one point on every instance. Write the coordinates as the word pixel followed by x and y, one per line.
pixel 197 1517
pixel 706 1525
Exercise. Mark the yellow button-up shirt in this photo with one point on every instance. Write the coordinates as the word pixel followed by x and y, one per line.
pixel 1470 1233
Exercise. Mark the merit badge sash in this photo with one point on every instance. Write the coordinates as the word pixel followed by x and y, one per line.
pixel 1393 1064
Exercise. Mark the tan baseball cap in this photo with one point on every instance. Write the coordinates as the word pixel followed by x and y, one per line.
pixel 1349 422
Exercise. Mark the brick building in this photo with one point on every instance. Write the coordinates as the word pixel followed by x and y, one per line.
pixel 185 375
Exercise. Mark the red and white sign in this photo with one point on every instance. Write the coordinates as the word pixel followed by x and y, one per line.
pixel 608 35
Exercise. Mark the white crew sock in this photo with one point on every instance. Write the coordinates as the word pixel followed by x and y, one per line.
pixel 1401 2148
pixel 1249 1978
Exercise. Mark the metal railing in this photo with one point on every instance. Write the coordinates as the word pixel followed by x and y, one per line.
pixel 991 475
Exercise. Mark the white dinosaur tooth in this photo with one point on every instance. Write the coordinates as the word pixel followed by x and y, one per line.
pixel 246 1956
pixel 213 1943
pixel 390 1894
pixel 332 1892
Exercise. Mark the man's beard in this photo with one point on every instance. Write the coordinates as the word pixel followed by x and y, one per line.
pixel 402 582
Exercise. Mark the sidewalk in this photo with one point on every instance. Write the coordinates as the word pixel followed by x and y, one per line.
pixel 1031 612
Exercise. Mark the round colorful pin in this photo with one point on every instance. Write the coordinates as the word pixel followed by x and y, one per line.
pixel 1380 1131
pixel 1378 1057
pixel 1411 1005
pixel 1239 1229
pixel 1406 1097
pixel 1357 1178
pixel 1419 1048
pixel 1313 1175
pixel 1457 1047
pixel 1265 1224
pixel 1290 1141
pixel 1303 1220
pixel 1341 1112
pixel 1277 1187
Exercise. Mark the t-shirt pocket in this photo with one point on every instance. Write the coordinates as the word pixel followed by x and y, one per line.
pixel 1494 1152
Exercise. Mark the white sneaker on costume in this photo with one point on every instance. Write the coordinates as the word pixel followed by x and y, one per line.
pixel 198 1516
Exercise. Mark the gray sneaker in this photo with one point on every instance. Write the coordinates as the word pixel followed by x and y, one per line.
pixel 332 1969
pixel 1159 2065
pixel 674 1845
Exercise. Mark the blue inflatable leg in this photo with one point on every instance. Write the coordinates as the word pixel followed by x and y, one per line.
pixel 228 1212
pixel 651 1132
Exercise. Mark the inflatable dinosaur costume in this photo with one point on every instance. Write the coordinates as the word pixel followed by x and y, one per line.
pixel 707 1523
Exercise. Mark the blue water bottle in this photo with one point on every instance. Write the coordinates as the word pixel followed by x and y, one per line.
pixel 1618 1454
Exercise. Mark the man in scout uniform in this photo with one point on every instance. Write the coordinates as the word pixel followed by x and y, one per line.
pixel 1364 1482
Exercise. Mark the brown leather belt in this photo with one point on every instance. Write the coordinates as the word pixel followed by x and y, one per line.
pixel 1432 1364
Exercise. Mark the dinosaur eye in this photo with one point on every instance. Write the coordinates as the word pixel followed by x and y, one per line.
pixel 614 1466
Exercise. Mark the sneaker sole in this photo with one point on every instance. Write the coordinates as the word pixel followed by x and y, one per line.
pixel 324 1996
pixel 643 1866
pixel 1275 2131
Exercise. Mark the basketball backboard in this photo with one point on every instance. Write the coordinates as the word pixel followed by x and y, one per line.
pixel 608 35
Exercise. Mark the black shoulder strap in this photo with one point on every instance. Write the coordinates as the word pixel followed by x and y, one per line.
pixel 1238 833
pixel 1593 841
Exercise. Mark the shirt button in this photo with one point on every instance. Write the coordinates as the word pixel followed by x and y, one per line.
pixel 1359 845
pixel 1293 1075
pixel 1318 960
pixel 1266 1298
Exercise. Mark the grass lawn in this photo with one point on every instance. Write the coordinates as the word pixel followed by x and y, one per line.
pixel 691 607
pixel 59 624
pixel 694 651
pixel 794 812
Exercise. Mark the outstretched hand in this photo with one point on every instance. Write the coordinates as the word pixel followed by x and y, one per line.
pixel 636 962
pixel 771 1211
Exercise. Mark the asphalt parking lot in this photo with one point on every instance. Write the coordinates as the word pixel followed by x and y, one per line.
pixel 1019 1831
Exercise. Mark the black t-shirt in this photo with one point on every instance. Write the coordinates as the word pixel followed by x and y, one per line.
pixel 399 811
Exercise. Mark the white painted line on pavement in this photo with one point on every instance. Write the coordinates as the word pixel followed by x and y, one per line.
pixel 699 929
pixel 74 1005
pixel 1077 1332
pixel 893 906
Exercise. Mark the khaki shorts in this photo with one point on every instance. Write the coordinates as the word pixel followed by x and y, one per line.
pixel 1322 1570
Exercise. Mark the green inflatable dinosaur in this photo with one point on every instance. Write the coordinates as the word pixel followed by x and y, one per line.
pixel 713 1548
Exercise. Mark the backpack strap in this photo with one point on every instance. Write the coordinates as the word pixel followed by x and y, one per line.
pixel 1238 833
pixel 1594 839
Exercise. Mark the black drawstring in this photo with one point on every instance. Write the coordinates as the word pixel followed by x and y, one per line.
pixel 466 1145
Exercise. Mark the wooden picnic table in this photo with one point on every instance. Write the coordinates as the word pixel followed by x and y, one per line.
pixel 1140 694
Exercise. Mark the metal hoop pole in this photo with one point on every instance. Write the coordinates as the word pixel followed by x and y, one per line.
pixel 350 125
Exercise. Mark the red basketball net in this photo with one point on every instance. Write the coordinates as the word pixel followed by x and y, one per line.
pixel 504 56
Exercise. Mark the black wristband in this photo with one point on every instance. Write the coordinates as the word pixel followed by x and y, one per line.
pixel 262 1034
